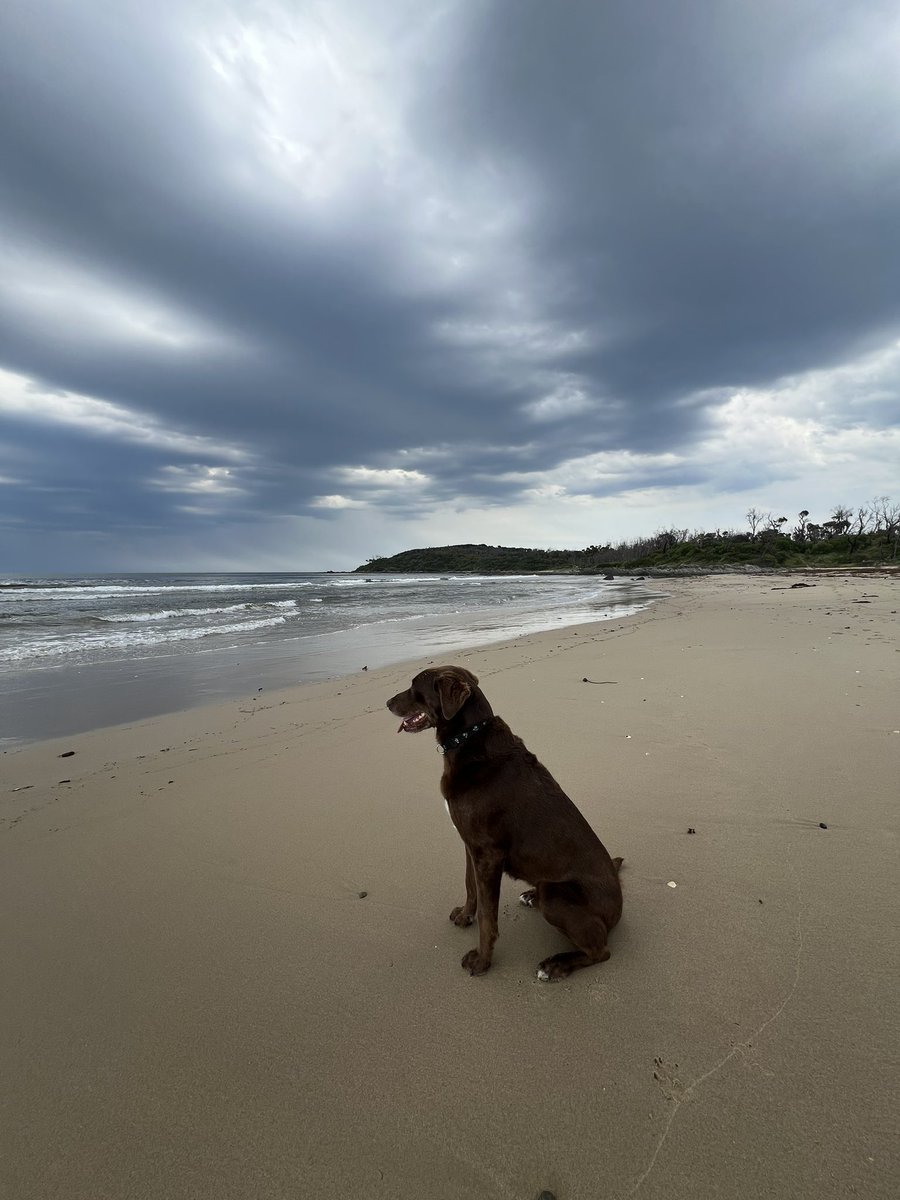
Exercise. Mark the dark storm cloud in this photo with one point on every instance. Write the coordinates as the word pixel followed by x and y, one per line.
pixel 720 182
pixel 639 206
pixel 113 167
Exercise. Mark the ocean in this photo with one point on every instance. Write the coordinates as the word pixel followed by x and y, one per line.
pixel 80 652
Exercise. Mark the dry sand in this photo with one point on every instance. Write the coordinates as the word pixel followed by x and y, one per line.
pixel 199 1000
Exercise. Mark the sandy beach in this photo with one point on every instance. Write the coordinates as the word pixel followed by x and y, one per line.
pixel 229 973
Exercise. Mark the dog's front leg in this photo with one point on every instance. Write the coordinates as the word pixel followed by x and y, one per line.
pixel 488 874
pixel 464 914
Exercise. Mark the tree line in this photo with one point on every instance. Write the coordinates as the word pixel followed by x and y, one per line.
pixel 867 534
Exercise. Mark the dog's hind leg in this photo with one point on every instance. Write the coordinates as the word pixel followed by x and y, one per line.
pixel 559 966
pixel 581 924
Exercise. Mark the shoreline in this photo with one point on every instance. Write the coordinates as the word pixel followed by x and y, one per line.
pixel 312 691
pixel 234 973
pixel 41 702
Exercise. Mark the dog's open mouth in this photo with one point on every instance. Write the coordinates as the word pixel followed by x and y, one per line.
pixel 415 723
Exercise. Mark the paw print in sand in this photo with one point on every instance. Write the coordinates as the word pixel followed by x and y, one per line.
pixel 665 1075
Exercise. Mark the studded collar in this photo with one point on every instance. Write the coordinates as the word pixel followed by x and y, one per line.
pixel 461 738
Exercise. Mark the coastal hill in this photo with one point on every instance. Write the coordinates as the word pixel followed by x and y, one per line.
pixel 476 559
pixel 832 544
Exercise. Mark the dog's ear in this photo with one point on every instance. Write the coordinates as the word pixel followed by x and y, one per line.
pixel 453 691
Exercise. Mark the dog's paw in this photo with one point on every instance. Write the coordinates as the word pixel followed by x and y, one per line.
pixel 552 969
pixel 462 917
pixel 529 898
pixel 474 963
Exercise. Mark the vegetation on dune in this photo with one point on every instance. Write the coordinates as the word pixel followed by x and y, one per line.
pixel 865 536
pixel 480 560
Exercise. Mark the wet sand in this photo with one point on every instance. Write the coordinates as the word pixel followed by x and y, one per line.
pixel 229 970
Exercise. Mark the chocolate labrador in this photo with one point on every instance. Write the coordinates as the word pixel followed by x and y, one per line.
pixel 512 816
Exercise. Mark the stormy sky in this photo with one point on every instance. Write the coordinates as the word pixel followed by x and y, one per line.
pixel 284 285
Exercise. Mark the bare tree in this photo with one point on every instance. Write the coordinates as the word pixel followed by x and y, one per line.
pixel 889 512
pixel 857 527
pixel 754 519
pixel 886 516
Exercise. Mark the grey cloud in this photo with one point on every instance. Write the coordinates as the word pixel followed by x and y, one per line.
pixel 699 203
pixel 733 225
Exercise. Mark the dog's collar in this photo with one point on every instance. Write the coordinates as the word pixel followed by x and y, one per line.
pixel 460 738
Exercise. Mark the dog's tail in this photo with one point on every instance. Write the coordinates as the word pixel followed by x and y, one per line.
pixel 617 863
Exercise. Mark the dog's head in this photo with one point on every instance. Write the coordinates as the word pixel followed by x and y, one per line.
pixel 433 698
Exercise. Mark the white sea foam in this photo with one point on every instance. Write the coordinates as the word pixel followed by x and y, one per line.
pixel 169 614
pixel 89 643
pixel 112 590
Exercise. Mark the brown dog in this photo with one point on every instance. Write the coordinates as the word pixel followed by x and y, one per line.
pixel 512 816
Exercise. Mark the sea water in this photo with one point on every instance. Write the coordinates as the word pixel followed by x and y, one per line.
pixel 78 652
